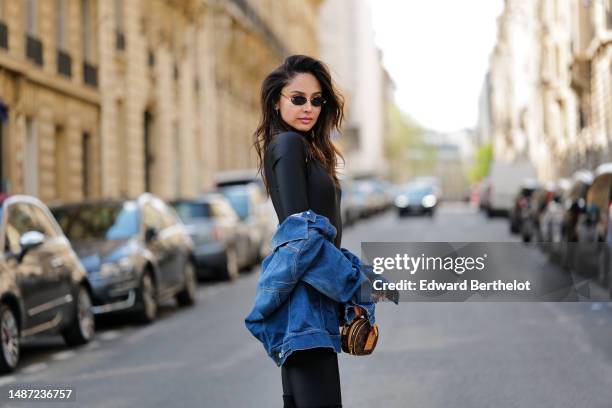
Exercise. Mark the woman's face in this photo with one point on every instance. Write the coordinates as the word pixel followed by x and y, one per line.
pixel 302 117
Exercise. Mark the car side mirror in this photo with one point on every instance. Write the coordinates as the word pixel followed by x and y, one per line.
pixel 29 241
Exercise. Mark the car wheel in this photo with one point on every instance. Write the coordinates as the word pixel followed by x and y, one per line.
pixel 187 296
pixel 232 269
pixel 82 328
pixel 10 339
pixel 147 299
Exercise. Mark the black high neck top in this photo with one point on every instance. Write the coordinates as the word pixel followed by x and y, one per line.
pixel 297 184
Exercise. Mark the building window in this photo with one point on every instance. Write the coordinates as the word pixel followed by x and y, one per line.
pixel 148 150
pixel 90 71
pixel 3 28
pixel 119 25
pixel 34 47
pixel 64 61
pixel 3 34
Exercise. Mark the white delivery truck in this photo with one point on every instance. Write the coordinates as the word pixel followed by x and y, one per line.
pixel 504 182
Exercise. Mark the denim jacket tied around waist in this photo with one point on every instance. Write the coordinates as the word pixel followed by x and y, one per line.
pixel 307 288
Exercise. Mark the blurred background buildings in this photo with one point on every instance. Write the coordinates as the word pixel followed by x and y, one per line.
pixel 548 95
pixel 112 98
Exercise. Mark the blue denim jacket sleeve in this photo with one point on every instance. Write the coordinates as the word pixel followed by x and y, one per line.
pixel 310 260
pixel 318 257
pixel 347 285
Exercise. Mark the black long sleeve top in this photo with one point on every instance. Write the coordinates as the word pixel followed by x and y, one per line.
pixel 298 185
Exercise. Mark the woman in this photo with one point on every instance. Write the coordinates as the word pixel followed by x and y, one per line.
pixel 300 109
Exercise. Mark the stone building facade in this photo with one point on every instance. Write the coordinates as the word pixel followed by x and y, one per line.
pixel 570 93
pixel 110 98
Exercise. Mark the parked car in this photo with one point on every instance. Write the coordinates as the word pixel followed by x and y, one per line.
pixel 417 198
pixel 137 253
pixel 43 286
pixel 592 257
pixel 504 181
pixel 531 230
pixel 484 193
pixel 254 226
pixel 261 210
pixel 348 209
pixel 564 232
pixel 219 250
pixel 520 206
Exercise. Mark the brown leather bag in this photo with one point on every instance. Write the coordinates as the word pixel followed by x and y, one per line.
pixel 359 337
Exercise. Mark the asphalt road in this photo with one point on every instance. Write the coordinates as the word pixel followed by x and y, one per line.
pixel 429 354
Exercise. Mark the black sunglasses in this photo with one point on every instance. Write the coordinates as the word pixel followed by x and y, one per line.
pixel 300 100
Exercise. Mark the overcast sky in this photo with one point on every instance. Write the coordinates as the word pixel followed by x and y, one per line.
pixel 437 52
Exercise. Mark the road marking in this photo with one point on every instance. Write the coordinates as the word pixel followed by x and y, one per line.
pixel 34 368
pixel 64 355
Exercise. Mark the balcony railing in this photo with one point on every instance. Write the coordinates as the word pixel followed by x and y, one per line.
pixel 64 63
pixel 34 50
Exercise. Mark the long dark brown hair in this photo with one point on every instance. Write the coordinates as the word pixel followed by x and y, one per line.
pixel 330 119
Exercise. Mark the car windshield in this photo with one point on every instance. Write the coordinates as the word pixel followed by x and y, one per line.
pixel 418 192
pixel 115 221
pixel 239 199
pixel 189 210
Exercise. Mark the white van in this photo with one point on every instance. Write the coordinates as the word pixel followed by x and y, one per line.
pixel 504 182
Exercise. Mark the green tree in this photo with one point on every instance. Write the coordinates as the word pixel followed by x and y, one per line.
pixel 482 162
pixel 404 148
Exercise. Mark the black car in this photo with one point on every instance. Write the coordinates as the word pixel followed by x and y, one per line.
pixel 43 286
pixel 531 230
pixel 137 253
pixel 593 234
pixel 417 198
pixel 565 228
